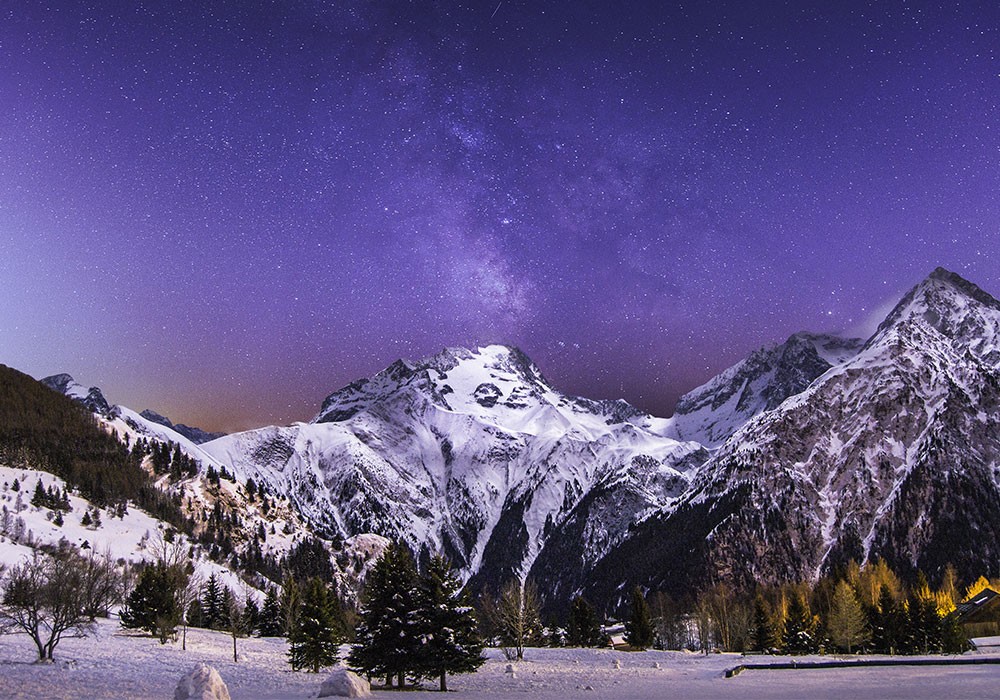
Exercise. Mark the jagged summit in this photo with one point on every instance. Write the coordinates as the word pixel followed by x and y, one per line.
pixel 712 412
pixel 92 398
pixel 823 449
pixel 940 274
pixel 946 304
pixel 471 453
pixel 891 454
pixel 496 383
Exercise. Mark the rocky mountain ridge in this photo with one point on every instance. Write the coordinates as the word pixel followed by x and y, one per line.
pixel 892 454
pixel 790 462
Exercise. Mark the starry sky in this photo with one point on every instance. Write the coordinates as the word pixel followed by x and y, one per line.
pixel 226 210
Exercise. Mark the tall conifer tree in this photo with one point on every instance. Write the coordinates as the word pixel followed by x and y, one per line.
pixel 800 628
pixel 763 637
pixel 386 640
pixel 639 628
pixel 315 638
pixel 450 641
pixel 584 629
pixel 270 616
pixel 847 625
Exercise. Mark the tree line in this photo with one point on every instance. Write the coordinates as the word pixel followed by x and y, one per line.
pixel 857 610
pixel 411 625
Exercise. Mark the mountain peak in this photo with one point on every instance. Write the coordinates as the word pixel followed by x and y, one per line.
pixel 712 412
pixel 955 308
pixel 195 435
pixel 963 285
pixel 92 398
pixel 435 377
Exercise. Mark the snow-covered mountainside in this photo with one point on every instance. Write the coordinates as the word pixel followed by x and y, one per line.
pixel 127 421
pixel 895 454
pixel 229 524
pixel 822 449
pixel 718 408
pixel 195 435
pixel 469 452
pixel 92 398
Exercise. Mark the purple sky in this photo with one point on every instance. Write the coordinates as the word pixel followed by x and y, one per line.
pixel 226 210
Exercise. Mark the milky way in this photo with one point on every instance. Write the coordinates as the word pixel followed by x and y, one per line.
pixel 224 211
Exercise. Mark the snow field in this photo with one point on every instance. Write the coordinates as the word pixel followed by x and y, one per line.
pixel 120 665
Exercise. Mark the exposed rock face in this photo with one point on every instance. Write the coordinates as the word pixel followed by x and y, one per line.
pixel 92 398
pixel 808 454
pixel 718 408
pixel 895 454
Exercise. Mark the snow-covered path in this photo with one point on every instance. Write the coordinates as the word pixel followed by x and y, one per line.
pixel 114 665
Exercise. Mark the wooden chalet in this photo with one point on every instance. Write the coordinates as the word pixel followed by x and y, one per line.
pixel 980 615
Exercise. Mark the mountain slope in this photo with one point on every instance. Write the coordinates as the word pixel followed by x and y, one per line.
pixel 195 435
pixel 154 480
pixel 894 454
pixel 712 412
pixel 470 453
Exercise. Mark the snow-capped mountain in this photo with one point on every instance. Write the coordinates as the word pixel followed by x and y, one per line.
pixel 894 453
pixel 92 398
pixel 469 452
pixel 195 435
pixel 712 412
pixel 125 419
pixel 787 464
pixel 256 527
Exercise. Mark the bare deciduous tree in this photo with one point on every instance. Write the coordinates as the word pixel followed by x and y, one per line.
pixel 516 618
pixel 102 582
pixel 44 597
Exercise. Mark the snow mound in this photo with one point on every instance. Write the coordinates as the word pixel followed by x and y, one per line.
pixel 345 684
pixel 202 683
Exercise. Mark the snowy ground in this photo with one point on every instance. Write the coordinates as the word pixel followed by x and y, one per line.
pixel 116 665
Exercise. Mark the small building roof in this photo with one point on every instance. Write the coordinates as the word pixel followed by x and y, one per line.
pixel 982 600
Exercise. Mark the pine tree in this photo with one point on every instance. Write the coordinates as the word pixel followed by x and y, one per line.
pixel 800 628
pixel 639 628
pixel 270 615
pixel 154 605
pixel 763 637
pixel 847 625
pixel 40 499
pixel 315 639
pixel 925 629
pixel 386 640
pixel 887 623
pixel 212 611
pixel 954 640
pixel 251 615
pixel 555 637
pixel 225 605
pixel 584 629
pixel 450 641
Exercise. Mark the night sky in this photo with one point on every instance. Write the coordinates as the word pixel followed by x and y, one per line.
pixel 226 210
